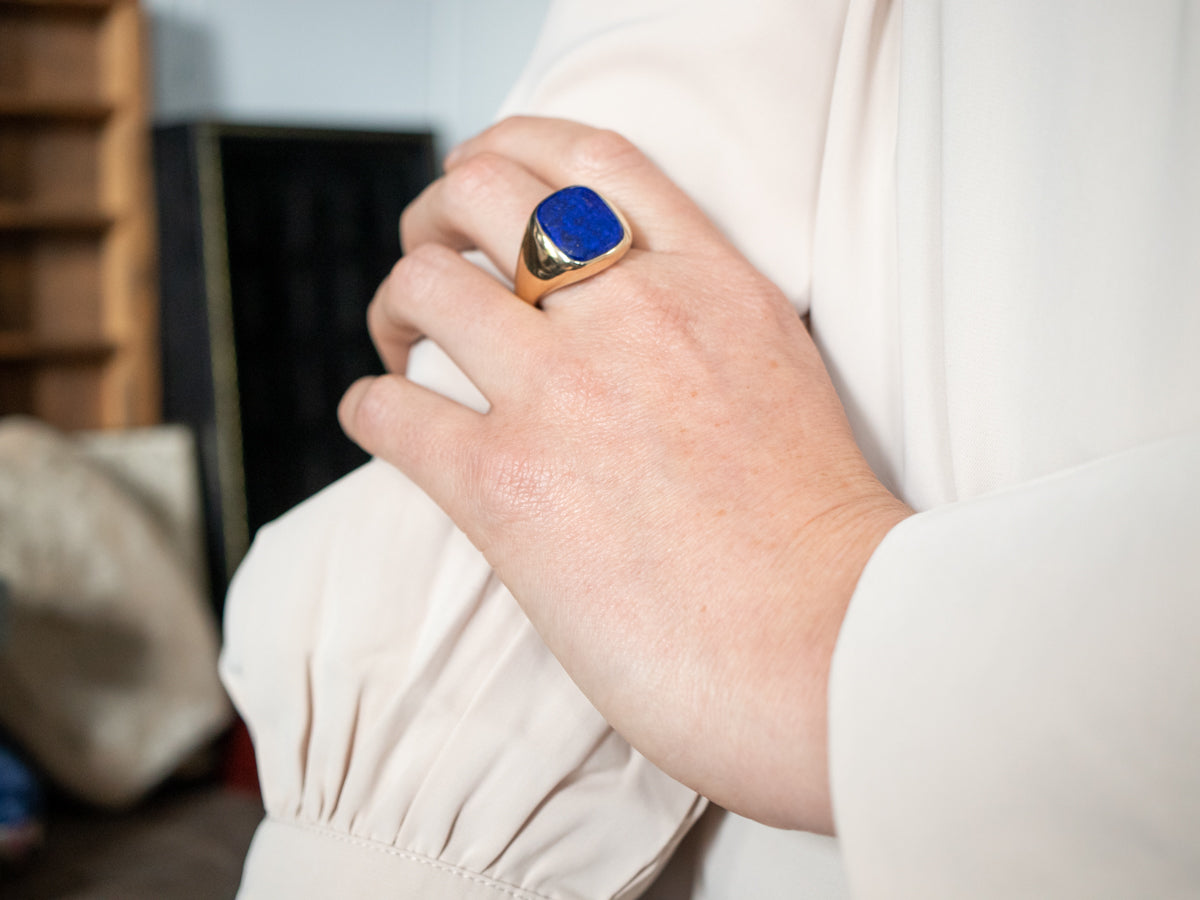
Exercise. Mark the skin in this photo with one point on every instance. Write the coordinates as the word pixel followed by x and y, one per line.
pixel 665 480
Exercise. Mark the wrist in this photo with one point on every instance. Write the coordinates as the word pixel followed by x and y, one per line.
pixel 836 549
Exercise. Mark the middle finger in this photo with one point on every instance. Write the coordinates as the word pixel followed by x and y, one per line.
pixel 483 204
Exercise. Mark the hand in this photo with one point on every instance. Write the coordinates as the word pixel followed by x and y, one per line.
pixel 665 479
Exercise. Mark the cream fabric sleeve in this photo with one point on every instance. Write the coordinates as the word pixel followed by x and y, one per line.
pixel 414 736
pixel 1014 695
pixel 1015 692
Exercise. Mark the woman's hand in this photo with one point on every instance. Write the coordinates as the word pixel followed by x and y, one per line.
pixel 665 480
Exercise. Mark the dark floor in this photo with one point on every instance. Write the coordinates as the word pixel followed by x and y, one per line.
pixel 185 844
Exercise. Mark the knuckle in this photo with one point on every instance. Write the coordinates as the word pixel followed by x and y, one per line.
pixel 483 181
pixel 760 300
pixel 374 413
pixel 601 152
pixel 418 271
pixel 408 231
pixel 476 176
pixel 454 198
pixel 379 310
pixel 410 280
pixel 376 316
pixel 509 126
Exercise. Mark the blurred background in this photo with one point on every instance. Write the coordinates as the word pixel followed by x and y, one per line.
pixel 443 65
pixel 197 199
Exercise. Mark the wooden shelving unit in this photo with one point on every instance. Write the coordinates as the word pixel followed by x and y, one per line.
pixel 78 308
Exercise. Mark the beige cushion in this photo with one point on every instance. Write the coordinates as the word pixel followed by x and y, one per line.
pixel 108 655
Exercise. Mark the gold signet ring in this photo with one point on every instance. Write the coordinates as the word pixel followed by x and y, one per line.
pixel 573 234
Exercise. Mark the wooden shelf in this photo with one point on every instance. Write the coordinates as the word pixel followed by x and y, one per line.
pixel 19 219
pixel 78 308
pixel 15 106
pixel 22 347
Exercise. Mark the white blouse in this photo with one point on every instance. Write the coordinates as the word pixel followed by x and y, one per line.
pixel 990 213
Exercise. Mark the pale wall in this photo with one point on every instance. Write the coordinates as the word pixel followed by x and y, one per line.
pixel 444 64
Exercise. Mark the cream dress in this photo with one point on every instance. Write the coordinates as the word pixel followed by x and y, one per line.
pixel 990 213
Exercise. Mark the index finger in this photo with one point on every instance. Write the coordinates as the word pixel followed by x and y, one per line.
pixel 562 153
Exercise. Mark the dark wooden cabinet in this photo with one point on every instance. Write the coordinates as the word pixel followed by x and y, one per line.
pixel 272 242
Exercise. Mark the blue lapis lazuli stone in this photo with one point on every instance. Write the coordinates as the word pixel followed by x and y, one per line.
pixel 581 224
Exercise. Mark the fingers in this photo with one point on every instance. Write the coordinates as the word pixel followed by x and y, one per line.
pixel 563 153
pixel 415 429
pixel 482 204
pixel 494 182
pixel 433 291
